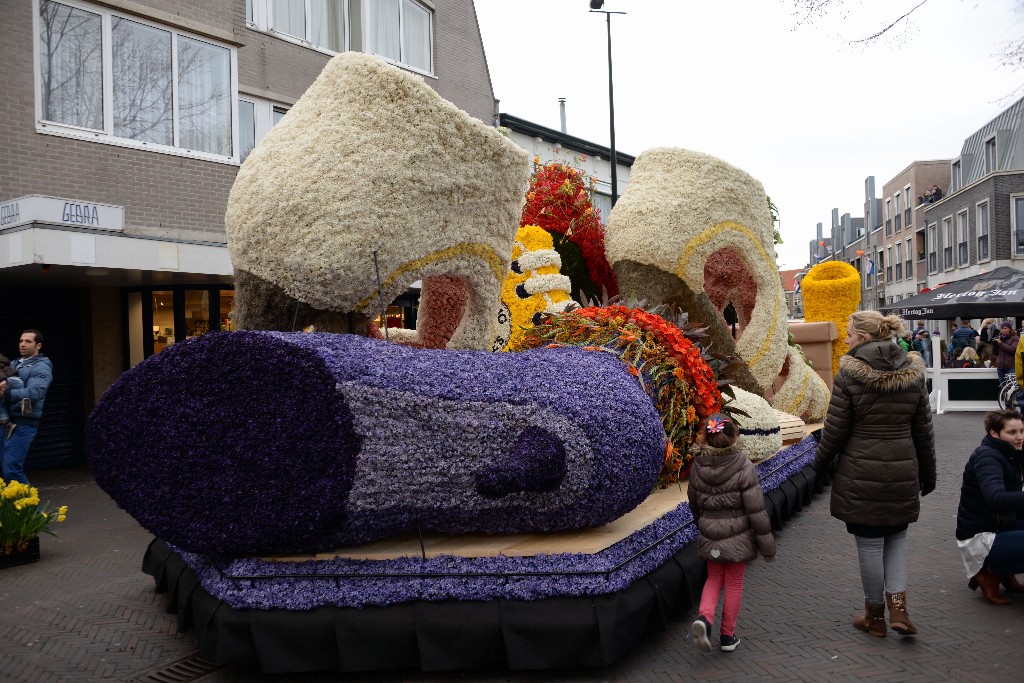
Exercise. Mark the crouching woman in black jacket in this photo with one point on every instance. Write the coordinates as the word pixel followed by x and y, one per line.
pixel 990 517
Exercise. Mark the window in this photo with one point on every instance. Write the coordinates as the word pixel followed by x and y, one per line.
pixel 888 266
pixel 948 239
pixel 897 213
pixel 888 217
pixel 908 203
pixel 167 89
pixel 910 257
pixel 399 30
pixel 319 23
pixel 961 242
pixel 899 260
pixel 255 119
pixel 933 248
pixel 880 266
pixel 1018 225
pixel 981 227
pixel 990 155
pixel 957 176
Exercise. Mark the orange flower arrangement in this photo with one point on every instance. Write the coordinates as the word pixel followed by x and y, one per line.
pixel 670 367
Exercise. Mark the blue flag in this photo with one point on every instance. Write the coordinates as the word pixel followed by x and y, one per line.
pixel 871 267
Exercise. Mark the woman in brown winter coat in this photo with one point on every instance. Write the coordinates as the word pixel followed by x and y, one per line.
pixel 728 507
pixel 879 427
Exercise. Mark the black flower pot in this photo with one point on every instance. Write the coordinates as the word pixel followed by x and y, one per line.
pixel 29 554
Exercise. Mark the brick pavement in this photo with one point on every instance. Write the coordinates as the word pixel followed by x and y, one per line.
pixel 87 613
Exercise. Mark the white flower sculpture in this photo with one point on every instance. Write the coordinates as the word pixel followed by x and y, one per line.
pixel 687 220
pixel 371 159
pixel 760 430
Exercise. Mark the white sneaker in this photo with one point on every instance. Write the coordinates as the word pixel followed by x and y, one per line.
pixel 700 634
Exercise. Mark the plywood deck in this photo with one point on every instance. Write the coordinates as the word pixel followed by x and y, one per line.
pixel 587 541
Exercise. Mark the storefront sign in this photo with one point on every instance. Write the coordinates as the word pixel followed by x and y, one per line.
pixel 39 209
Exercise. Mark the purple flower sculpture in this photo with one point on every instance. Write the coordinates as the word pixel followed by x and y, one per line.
pixel 249 443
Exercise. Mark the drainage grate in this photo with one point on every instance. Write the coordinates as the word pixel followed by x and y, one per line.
pixel 190 668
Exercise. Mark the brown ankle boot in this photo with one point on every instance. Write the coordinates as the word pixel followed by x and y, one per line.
pixel 873 620
pixel 1012 585
pixel 989 583
pixel 899 620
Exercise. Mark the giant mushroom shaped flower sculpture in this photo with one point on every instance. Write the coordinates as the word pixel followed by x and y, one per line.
pixel 370 162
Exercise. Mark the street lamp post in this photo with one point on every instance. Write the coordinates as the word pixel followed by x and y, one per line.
pixel 595 6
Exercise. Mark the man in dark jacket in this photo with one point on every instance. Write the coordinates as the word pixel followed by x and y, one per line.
pixel 24 404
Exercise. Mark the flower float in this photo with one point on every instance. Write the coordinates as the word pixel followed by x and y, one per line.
pixel 372 171
pixel 361 440
pixel 559 201
pixel 22 518
pixel 667 365
pixel 686 219
pixel 532 288
pixel 831 292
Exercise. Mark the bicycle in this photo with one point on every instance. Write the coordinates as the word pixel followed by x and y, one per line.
pixel 1009 393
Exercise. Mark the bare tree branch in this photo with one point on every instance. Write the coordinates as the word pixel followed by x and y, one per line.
pixel 882 31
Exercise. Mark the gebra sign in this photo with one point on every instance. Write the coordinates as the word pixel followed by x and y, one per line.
pixel 36 208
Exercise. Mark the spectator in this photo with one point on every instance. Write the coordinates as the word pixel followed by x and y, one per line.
pixel 963 337
pixel 968 358
pixel 1005 349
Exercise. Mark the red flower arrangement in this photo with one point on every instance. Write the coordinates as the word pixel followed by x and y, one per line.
pixel 559 201
pixel 669 366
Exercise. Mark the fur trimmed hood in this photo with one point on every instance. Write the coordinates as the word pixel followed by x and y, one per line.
pixel 883 366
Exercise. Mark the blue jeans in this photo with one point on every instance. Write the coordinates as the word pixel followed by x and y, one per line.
pixel 15 450
pixel 1007 554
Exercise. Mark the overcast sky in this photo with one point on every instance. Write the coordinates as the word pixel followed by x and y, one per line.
pixel 800 109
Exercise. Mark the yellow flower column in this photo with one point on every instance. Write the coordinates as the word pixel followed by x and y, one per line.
pixel 831 292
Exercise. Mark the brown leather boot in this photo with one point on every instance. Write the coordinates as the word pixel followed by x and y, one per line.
pixel 873 620
pixel 989 583
pixel 1012 585
pixel 899 620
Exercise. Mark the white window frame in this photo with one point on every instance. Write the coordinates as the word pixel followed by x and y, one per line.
pixel 932 247
pixel 888 265
pixel 908 207
pixel 980 209
pixel 263 115
pixel 948 240
pixel 963 249
pixel 956 175
pixel 1014 198
pixel 898 256
pixel 262 13
pixel 991 154
pixel 908 270
pixel 106 135
pixel 261 21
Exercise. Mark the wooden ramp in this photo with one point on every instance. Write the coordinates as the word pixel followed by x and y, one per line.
pixel 586 541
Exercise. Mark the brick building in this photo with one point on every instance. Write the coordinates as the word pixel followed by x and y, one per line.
pixel 123 125
pixel 979 224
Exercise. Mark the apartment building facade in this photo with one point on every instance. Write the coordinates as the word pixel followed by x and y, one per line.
pixel 899 251
pixel 125 122
pixel 979 224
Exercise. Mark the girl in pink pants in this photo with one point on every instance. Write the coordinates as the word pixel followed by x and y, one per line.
pixel 728 507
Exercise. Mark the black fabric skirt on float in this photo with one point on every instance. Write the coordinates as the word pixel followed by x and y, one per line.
pixel 553 632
